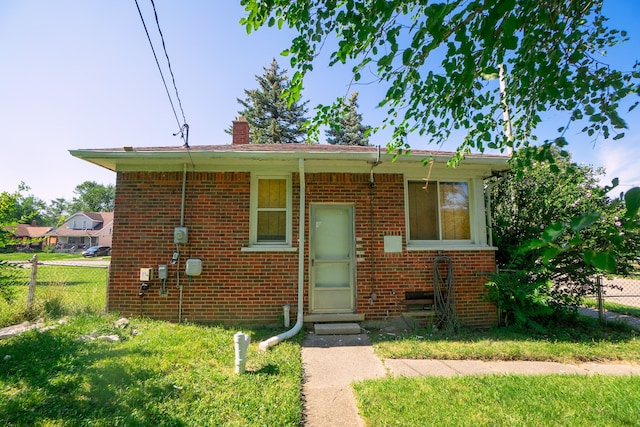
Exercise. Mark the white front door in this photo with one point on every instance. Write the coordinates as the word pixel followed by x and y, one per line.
pixel 332 259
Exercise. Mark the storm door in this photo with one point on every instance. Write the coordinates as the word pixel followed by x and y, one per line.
pixel 332 259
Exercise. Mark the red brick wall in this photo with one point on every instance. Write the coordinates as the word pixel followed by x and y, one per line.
pixel 251 287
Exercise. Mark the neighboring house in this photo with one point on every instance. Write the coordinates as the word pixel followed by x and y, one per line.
pixel 357 230
pixel 83 230
pixel 29 236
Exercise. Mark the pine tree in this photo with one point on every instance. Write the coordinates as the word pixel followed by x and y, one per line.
pixel 350 130
pixel 270 120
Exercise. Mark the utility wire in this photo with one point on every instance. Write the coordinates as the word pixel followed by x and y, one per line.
pixel 164 47
pixel 184 128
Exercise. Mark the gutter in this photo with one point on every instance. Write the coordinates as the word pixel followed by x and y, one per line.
pixel 270 342
pixel 172 160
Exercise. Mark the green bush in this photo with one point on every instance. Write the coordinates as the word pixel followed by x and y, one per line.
pixel 522 298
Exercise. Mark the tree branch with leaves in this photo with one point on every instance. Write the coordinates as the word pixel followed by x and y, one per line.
pixel 439 63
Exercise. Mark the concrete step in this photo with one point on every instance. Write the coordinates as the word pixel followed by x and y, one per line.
pixel 419 313
pixel 336 328
pixel 333 317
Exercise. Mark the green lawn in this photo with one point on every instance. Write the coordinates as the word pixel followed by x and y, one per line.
pixel 507 400
pixel 183 375
pixel 163 375
pixel 583 340
pixel 500 400
pixel 60 290
pixel 42 256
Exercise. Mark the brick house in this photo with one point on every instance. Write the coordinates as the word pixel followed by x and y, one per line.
pixel 352 230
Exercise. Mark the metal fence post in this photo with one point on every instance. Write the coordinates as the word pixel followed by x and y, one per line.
pixel 32 282
pixel 601 315
pixel 106 297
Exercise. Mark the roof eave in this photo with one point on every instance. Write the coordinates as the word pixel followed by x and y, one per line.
pixel 116 160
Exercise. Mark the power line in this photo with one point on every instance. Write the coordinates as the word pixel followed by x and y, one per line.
pixel 184 127
pixel 164 47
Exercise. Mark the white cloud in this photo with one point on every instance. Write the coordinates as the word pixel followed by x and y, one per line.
pixel 621 159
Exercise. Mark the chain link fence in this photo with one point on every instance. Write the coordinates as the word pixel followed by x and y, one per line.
pixel 617 295
pixel 621 291
pixel 54 289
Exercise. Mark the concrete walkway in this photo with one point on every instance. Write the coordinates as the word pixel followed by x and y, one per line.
pixel 611 316
pixel 332 362
pixel 448 368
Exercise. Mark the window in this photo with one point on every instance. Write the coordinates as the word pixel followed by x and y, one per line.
pixel 438 211
pixel 270 210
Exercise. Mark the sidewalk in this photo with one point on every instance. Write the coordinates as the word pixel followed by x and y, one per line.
pixel 332 362
pixel 611 316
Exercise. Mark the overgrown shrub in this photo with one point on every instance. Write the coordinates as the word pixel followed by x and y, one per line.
pixel 522 298
pixel 553 220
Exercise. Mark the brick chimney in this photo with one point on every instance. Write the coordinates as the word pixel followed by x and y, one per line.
pixel 240 134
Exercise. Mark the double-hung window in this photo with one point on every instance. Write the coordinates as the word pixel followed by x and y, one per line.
pixel 270 211
pixel 438 211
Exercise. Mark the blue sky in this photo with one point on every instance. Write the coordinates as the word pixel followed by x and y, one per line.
pixel 80 74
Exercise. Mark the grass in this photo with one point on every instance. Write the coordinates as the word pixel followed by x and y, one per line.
pixel 582 340
pixel 548 400
pixel 181 375
pixel 60 290
pixel 500 400
pixel 42 256
pixel 162 375
pixel 613 306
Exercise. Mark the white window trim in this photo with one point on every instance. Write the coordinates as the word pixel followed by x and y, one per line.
pixel 254 245
pixel 477 222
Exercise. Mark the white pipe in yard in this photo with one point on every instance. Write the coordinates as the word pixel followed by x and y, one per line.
pixel 286 310
pixel 270 342
pixel 241 344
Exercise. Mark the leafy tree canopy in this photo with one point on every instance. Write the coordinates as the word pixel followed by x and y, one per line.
pixel 349 130
pixel 20 208
pixel 556 229
pixel 93 197
pixel 440 63
pixel 271 119
pixel 57 212
pixel 558 198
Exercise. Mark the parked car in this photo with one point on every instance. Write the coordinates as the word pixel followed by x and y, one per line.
pixel 97 251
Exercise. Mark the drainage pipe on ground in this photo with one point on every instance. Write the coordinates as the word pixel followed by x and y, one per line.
pixel 264 345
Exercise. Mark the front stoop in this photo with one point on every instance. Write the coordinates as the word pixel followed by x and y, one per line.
pixel 336 328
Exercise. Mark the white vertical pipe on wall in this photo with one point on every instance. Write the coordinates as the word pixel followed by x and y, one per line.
pixel 264 345
pixel 184 186
pixel 182 203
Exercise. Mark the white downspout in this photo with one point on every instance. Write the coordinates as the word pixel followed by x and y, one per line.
pixel 264 345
